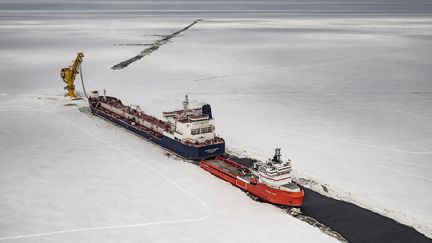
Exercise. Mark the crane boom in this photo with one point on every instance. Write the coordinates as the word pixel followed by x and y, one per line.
pixel 68 75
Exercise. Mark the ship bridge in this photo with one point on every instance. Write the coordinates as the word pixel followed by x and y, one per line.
pixel 276 173
pixel 194 126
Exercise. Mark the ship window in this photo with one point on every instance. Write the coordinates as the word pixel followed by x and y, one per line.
pixel 195 131
pixel 206 129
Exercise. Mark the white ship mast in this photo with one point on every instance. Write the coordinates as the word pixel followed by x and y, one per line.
pixel 185 106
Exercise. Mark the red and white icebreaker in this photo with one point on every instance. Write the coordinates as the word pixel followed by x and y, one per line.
pixel 270 181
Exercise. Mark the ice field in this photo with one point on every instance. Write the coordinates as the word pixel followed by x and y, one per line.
pixel 348 97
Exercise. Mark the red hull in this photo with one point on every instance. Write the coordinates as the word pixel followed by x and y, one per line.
pixel 264 192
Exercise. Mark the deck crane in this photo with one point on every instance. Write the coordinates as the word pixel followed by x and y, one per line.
pixel 68 75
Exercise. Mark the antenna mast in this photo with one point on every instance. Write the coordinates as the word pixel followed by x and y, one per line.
pixel 185 105
pixel 277 156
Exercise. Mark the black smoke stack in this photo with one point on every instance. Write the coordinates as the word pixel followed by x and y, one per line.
pixel 206 109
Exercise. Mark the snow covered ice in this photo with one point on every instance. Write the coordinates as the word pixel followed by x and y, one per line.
pixel 347 97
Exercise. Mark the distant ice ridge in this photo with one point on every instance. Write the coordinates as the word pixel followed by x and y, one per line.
pixel 213 6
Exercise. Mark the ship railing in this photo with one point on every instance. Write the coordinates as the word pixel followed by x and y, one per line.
pixel 215 140
pixel 232 163
pixel 132 123
pixel 198 118
pixel 275 174
pixel 117 104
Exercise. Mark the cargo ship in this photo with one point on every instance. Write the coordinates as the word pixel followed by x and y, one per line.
pixel 189 133
pixel 269 181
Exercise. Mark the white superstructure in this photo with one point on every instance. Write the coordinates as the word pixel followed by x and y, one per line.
pixel 192 125
pixel 276 173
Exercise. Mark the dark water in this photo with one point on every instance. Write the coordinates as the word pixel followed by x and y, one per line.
pixel 357 224
pixel 354 223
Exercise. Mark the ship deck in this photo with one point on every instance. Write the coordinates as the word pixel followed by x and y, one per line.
pixel 237 171
pixel 225 166
pixel 291 186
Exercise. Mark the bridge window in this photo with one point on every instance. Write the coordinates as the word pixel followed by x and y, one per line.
pixel 207 129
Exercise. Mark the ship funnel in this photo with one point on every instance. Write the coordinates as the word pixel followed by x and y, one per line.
pixel 206 110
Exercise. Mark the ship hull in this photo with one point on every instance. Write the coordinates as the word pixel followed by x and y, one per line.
pixel 183 150
pixel 262 191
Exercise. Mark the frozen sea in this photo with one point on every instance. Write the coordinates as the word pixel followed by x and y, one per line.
pixel 346 94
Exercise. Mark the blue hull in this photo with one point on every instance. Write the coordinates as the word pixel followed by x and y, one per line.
pixel 183 150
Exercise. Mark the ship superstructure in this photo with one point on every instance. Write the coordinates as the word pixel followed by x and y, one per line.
pixel 189 133
pixel 192 126
pixel 276 173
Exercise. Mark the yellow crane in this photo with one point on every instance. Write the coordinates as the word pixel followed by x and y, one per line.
pixel 68 75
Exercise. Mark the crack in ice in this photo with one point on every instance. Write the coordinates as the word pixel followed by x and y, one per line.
pixel 153 47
